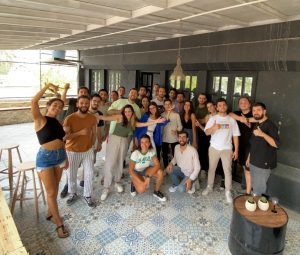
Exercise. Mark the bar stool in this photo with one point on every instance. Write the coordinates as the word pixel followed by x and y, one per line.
pixel 9 169
pixel 23 168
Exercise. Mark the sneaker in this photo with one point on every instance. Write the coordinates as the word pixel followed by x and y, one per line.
pixel 64 191
pixel 207 191
pixel 119 187
pixel 90 202
pixel 81 183
pixel 104 194
pixel 173 188
pixel 72 199
pixel 228 197
pixel 192 189
pixel 222 185
pixel 160 196
pixel 132 190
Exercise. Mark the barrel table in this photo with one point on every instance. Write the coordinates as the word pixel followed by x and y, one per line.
pixel 258 232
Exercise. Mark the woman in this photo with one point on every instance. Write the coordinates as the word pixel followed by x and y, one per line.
pixel 118 145
pixel 154 131
pixel 188 120
pixel 143 165
pixel 51 158
pixel 144 105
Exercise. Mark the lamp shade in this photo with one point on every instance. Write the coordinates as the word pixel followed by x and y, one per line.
pixel 178 72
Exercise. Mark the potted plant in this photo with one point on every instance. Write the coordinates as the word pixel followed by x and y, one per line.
pixel 250 204
pixel 263 204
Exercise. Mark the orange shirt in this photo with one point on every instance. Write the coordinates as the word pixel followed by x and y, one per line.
pixel 80 143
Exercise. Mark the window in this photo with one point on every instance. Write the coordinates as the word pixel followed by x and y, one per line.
pixel 231 86
pixel 114 81
pixel 22 73
pixel 97 80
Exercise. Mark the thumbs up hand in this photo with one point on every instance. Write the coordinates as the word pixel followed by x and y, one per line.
pixel 258 132
pixel 216 126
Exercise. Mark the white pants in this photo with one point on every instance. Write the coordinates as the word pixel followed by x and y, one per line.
pixel 116 150
pixel 87 160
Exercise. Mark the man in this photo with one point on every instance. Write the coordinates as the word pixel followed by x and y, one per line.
pixel 142 93
pixel 80 128
pixel 121 92
pixel 114 96
pixel 172 94
pixel 243 117
pixel 203 141
pixel 103 107
pixel 264 143
pixel 170 131
pixel 188 167
pixel 117 106
pixel 72 102
pixel 222 128
pixel 155 91
pixel 143 165
pixel 179 103
pixel 159 100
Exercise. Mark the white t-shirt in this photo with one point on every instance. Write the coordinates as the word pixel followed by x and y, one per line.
pixel 158 102
pixel 142 161
pixel 222 138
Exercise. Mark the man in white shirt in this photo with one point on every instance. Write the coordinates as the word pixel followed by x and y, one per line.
pixel 223 129
pixel 188 166
pixel 170 130
pixel 159 100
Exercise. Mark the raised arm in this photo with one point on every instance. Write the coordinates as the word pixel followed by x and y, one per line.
pixel 149 123
pixel 116 117
pixel 64 93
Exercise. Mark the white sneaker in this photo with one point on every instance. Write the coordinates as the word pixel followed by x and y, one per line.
pixel 172 189
pixel 192 189
pixel 207 191
pixel 228 197
pixel 119 187
pixel 104 194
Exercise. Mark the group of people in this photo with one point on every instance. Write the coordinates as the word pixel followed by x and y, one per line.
pixel 159 126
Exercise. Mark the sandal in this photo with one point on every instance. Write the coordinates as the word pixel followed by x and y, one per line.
pixel 63 233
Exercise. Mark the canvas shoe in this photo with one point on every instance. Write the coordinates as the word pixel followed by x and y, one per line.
pixel 173 188
pixel 160 196
pixel 119 187
pixel 104 194
pixel 228 197
pixel 132 190
pixel 207 191
pixel 72 199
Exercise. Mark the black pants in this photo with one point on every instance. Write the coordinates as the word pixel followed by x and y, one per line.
pixel 166 150
pixel 203 145
pixel 158 151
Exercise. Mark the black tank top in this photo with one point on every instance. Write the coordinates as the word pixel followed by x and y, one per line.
pixel 188 124
pixel 51 131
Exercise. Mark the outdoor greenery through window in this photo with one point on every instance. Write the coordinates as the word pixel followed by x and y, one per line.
pixel 23 72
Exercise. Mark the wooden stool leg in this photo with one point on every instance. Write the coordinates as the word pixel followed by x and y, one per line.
pixel 23 189
pixel 20 159
pixel 35 195
pixel 10 170
pixel 42 190
pixel 15 195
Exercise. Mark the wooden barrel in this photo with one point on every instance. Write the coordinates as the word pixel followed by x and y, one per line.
pixel 258 232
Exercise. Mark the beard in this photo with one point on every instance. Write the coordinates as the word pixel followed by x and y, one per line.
pixel 83 110
pixel 95 108
pixel 259 117
pixel 182 143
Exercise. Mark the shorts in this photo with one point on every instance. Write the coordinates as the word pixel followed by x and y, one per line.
pixel 46 159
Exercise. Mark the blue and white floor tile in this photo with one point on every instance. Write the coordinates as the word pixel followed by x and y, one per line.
pixel 122 225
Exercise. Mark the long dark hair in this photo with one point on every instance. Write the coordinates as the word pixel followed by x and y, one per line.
pixel 147 137
pixel 52 100
pixel 125 120
pixel 190 111
pixel 157 114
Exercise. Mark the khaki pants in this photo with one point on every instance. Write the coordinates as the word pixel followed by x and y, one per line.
pixel 226 158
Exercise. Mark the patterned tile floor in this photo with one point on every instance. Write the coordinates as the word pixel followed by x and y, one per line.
pixel 185 224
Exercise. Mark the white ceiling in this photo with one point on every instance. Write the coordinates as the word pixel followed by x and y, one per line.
pixel 73 24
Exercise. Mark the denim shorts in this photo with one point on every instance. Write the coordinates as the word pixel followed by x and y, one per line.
pixel 46 159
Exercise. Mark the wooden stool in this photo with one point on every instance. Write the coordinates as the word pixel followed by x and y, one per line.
pixel 23 168
pixel 9 169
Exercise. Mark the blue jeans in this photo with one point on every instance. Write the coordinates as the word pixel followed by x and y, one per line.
pixel 178 178
pixel 190 133
pixel 46 159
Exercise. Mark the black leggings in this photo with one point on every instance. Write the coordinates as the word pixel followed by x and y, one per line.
pixel 165 152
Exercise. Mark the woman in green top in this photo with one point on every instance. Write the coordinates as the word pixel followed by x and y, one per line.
pixel 117 146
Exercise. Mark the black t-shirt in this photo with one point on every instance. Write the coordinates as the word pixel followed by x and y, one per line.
pixel 246 132
pixel 101 122
pixel 262 154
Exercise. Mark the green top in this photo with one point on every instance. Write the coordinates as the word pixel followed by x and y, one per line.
pixel 123 131
pixel 201 112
